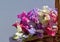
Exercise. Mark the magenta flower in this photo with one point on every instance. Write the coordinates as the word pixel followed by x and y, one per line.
pixel 21 15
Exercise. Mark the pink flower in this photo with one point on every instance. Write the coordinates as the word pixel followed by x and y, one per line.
pixel 21 15
pixel 52 30
pixel 15 24
pixel 53 15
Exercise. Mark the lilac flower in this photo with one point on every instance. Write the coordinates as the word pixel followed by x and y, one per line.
pixel 33 15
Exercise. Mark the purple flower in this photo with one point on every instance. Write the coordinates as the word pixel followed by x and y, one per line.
pixel 33 15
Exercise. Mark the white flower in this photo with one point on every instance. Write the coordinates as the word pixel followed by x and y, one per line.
pixel 19 34
pixel 19 28
pixel 25 36
pixel 54 26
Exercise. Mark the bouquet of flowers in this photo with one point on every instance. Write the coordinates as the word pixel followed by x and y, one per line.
pixel 36 22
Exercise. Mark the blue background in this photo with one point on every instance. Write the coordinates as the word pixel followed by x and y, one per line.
pixel 9 10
